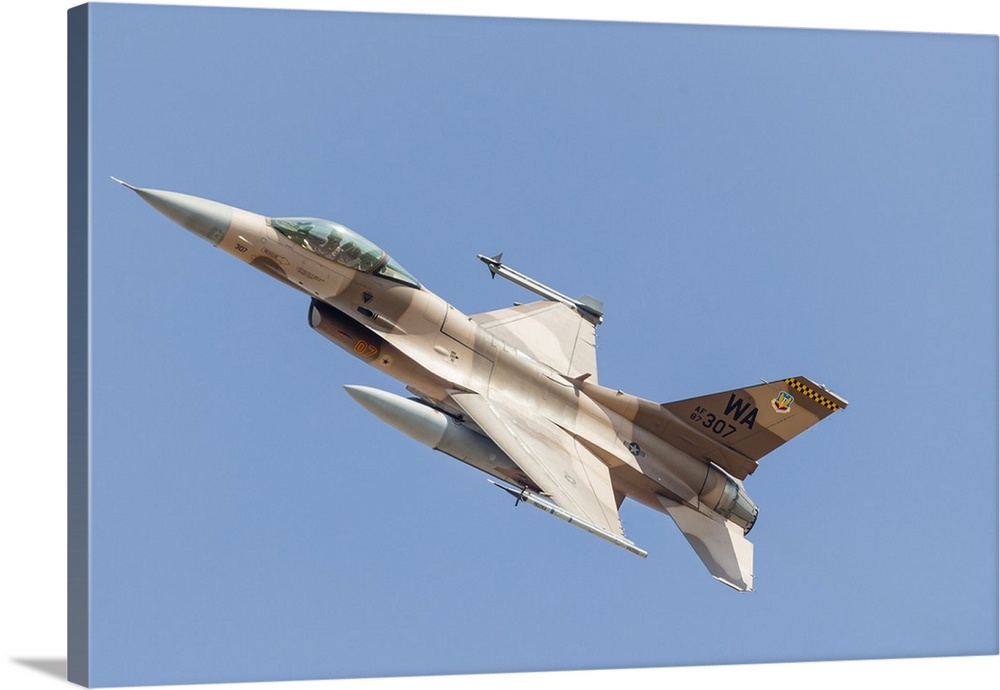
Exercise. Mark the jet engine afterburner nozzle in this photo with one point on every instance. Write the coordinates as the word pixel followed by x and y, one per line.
pixel 728 498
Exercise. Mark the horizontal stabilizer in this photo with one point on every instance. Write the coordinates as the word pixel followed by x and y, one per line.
pixel 720 544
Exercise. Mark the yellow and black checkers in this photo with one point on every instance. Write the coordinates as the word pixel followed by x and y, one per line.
pixel 798 385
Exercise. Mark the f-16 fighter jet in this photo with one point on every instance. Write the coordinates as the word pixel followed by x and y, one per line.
pixel 514 392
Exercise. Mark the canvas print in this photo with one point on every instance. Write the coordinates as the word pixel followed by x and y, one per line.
pixel 628 274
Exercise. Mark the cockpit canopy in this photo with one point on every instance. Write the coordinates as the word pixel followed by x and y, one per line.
pixel 340 244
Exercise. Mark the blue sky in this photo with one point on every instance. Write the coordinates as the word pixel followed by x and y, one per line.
pixel 748 203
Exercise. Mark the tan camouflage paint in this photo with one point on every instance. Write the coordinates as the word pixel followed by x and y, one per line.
pixel 538 359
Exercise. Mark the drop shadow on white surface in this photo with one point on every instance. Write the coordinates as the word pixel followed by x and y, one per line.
pixel 51 667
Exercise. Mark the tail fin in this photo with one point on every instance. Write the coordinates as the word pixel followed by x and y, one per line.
pixel 719 543
pixel 736 428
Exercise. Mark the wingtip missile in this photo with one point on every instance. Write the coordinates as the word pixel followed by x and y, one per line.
pixel 532 499
pixel 492 262
pixel 588 307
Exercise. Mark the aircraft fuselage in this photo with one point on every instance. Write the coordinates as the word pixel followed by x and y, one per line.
pixel 430 346
pixel 514 392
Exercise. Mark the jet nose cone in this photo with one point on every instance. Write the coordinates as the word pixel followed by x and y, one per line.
pixel 204 217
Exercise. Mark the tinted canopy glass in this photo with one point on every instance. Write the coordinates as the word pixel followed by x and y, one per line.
pixel 342 245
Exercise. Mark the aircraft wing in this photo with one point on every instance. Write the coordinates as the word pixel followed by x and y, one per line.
pixel 573 477
pixel 550 332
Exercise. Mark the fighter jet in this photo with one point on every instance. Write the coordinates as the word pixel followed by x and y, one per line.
pixel 514 392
